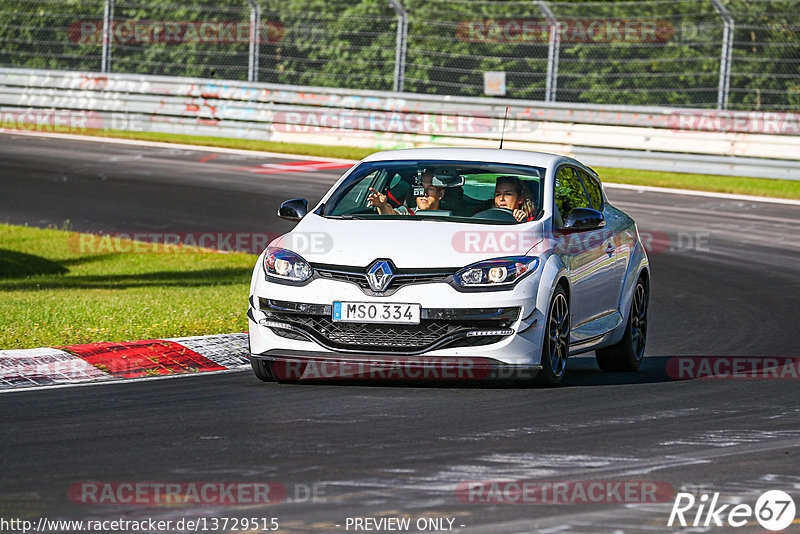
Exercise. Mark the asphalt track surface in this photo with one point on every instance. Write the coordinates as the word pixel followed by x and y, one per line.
pixel 726 285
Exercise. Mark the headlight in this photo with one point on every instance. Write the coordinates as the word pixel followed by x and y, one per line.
pixel 499 272
pixel 286 265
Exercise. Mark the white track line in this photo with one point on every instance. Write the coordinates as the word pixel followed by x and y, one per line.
pixel 200 148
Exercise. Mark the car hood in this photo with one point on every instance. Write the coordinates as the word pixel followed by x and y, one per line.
pixel 408 243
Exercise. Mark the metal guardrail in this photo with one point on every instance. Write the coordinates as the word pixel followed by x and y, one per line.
pixel 612 136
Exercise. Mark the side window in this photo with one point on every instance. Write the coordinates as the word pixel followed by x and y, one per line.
pixel 569 193
pixel 593 190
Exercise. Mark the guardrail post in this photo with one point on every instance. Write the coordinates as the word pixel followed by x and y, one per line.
pixel 553 51
pixel 255 38
pixel 400 46
pixel 108 36
pixel 726 56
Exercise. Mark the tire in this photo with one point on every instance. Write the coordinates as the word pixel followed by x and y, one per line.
pixel 627 355
pixel 555 348
pixel 262 369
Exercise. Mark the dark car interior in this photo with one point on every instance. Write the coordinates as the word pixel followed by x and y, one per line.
pixel 455 200
pixel 469 190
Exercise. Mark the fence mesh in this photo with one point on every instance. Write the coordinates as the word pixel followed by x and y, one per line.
pixel 664 52
pixel 652 52
pixel 191 39
pixel 334 43
pixel 765 72
pixel 40 34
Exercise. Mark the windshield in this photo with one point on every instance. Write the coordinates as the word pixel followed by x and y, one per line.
pixel 466 191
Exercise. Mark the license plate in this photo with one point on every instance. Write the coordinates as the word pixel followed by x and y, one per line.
pixel 372 312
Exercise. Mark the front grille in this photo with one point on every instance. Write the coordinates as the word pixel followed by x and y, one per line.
pixel 435 326
pixel 345 335
pixel 402 277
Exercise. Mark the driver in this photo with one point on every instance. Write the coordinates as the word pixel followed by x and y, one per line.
pixel 510 193
pixel 433 195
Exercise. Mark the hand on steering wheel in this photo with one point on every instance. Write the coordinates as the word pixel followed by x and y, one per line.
pixel 498 214
pixel 519 215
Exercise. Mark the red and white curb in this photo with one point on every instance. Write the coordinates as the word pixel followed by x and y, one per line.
pixel 25 368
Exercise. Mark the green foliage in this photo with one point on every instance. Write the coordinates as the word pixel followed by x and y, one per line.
pixel 765 71
pixel 206 56
pixel 351 44
pixel 43 35
pixel 569 192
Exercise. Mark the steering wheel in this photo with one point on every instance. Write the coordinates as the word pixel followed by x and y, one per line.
pixel 496 214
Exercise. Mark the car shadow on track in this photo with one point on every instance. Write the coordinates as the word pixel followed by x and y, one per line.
pixel 582 371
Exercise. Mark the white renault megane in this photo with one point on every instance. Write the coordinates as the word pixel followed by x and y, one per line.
pixel 451 263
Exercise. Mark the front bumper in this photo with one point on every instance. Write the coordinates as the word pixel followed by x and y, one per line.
pixel 438 328
pixel 505 327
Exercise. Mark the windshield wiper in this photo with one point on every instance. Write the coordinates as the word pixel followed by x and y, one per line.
pixel 345 217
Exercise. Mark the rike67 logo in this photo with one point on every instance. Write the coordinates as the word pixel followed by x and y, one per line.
pixel 774 510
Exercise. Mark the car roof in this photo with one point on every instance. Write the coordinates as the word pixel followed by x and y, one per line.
pixel 494 155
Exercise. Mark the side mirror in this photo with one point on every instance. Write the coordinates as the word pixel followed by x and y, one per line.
pixel 580 219
pixel 293 210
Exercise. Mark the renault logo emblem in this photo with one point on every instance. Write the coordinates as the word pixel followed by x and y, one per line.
pixel 379 275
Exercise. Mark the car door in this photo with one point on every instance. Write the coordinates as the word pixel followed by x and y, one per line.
pixel 616 248
pixel 587 255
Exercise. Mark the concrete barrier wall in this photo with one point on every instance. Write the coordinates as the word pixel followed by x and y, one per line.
pixel 378 120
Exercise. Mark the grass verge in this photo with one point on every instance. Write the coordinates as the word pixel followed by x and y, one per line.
pixel 55 294
pixel 763 187
pixel 698 182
